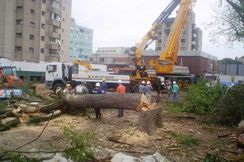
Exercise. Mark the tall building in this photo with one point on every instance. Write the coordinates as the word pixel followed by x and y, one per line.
pixel 81 39
pixel 35 30
pixel 191 37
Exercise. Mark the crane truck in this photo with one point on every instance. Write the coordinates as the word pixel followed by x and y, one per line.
pixel 165 65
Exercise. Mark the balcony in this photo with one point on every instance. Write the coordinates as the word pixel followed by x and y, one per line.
pixel 54 35
pixel 19 28
pixel 54 22
pixel 20 3
pixel 53 46
pixel 18 41
pixel 54 10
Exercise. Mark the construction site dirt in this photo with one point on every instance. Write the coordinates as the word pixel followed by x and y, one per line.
pixel 115 135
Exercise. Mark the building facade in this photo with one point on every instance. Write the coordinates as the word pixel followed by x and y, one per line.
pixel 113 57
pixel 191 37
pixel 36 30
pixel 81 39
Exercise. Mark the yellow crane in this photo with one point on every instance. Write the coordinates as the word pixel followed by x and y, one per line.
pixel 168 57
pixel 150 36
pixel 166 63
pixel 83 63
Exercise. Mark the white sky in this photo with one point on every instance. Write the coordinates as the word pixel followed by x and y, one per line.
pixel 122 23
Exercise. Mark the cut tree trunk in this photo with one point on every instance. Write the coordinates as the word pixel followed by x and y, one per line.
pixel 127 101
pixel 150 120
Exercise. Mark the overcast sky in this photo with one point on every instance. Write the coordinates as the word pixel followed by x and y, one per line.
pixel 122 23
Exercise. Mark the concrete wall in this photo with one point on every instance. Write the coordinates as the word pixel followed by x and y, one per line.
pixel 7 28
pixel 231 69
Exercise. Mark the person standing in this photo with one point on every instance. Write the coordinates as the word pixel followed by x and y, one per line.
pixel 120 90
pixel 104 86
pixel 148 91
pixel 68 89
pixel 97 90
pixel 175 91
pixel 142 87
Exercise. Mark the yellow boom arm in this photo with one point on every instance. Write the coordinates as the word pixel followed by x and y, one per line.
pixel 83 63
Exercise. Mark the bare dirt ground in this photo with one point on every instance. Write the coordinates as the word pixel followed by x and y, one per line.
pixel 126 130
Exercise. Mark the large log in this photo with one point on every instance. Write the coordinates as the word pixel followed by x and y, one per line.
pixel 127 101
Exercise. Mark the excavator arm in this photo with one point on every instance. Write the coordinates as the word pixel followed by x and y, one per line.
pixel 168 57
pixel 149 38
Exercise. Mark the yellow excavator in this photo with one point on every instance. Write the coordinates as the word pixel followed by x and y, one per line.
pixel 166 63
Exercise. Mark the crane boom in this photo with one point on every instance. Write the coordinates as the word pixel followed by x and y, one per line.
pixel 168 57
pixel 150 37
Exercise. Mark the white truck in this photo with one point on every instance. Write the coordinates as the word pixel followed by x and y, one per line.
pixel 59 74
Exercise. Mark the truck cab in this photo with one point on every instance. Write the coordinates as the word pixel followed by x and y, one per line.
pixel 57 75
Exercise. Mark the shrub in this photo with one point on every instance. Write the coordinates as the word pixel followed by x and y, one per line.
pixel 80 149
pixel 230 109
pixel 201 99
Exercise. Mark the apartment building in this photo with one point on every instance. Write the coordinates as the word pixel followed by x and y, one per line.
pixel 35 30
pixel 191 37
pixel 81 39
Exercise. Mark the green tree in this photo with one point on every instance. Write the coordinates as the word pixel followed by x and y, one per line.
pixel 228 21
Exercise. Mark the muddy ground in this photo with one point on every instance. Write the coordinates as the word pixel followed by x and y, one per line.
pixel 169 140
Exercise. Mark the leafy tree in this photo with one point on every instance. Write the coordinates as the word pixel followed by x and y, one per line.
pixel 229 61
pixel 228 21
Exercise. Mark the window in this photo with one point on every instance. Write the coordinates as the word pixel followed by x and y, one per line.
pixel 33 0
pixel 31 37
pixel 31 50
pixel 62 30
pixel 160 41
pixel 18 35
pixel 19 22
pixel 63 19
pixel 32 24
pixel 52 68
pixel 159 33
pixel 18 48
pixel 44 1
pixel 43 13
pixel 183 40
pixel 42 38
pixel 42 50
pixel 43 26
pixel 63 8
pixel 32 11
pixel 52 51
pixel 19 8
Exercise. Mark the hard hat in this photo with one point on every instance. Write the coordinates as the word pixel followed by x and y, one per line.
pixel 143 82
pixel 162 83
pixel 104 79
pixel 68 85
pixel 148 82
pixel 97 84
pixel 174 82
pixel 119 81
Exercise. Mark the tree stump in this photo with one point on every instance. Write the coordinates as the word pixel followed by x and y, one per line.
pixel 150 120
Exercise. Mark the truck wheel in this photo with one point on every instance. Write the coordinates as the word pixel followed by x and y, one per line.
pixel 58 86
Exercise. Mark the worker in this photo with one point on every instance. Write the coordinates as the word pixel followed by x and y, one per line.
pixel 120 90
pixel 10 80
pixel 142 87
pixel 104 85
pixel 148 91
pixel 80 89
pixel 97 90
pixel 175 91
pixel 68 89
